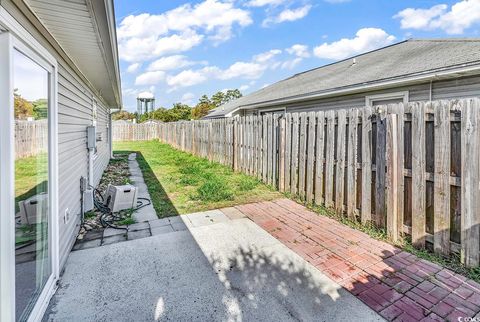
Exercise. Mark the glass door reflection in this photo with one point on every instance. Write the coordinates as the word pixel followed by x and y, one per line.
pixel 32 210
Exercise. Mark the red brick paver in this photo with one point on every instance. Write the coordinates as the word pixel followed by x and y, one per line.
pixel 396 284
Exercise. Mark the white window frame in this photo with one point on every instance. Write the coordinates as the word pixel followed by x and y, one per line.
pixel 387 96
pixel 17 38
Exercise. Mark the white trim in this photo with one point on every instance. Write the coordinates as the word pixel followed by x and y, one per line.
pixel 17 30
pixel 7 191
pixel 17 38
pixel 369 99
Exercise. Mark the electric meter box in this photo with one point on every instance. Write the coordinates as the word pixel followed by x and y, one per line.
pixel 120 197
pixel 91 137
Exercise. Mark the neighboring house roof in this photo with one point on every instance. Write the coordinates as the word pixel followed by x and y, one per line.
pixel 401 62
pixel 85 31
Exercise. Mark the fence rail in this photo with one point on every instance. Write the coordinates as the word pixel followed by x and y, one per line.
pixel 412 169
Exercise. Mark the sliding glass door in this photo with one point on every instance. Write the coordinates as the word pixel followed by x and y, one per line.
pixel 28 174
pixel 32 210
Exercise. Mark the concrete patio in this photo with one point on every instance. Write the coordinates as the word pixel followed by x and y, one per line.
pixel 222 267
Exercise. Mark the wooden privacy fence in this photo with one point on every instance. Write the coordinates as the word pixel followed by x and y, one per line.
pixel 31 138
pixel 413 169
pixel 126 131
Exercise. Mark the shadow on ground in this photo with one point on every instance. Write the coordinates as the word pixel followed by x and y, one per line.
pixel 227 271
pixel 161 202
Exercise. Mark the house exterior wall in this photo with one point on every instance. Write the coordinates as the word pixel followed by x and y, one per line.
pixel 443 89
pixel 75 113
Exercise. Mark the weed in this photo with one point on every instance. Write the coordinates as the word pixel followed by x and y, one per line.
pixel 90 215
pixel 247 183
pixel 214 190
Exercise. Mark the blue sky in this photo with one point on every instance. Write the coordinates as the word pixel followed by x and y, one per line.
pixel 180 50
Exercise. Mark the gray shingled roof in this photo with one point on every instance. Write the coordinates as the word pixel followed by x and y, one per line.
pixel 392 62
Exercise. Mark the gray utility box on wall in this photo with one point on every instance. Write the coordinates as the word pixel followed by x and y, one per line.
pixel 91 137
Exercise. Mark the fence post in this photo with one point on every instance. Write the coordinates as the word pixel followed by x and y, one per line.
pixel 366 211
pixel 281 156
pixel 380 169
pixel 392 183
pixel 418 175
pixel 470 233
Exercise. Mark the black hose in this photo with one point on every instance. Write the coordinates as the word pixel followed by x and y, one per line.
pixel 109 218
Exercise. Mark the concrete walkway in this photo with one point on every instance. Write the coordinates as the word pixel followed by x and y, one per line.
pixel 148 212
pixel 398 285
pixel 223 267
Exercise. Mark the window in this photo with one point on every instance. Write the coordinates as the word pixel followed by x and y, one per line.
pixel 388 98
pixel 28 173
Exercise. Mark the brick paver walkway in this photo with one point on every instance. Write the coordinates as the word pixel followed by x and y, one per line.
pixel 396 284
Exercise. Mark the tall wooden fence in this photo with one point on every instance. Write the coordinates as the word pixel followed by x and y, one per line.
pixel 31 138
pixel 413 169
pixel 126 131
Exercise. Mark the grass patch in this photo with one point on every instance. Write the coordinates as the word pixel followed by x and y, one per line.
pixel 180 183
pixel 215 190
pixel 453 262
pixel 248 183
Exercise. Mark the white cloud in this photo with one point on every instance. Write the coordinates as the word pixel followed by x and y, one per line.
pixel 267 56
pixel 190 77
pixel 244 87
pixel 133 68
pixel 419 18
pixel 147 36
pixel 261 3
pixel 366 39
pixel 140 49
pixel 337 1
pixel 170 63
pixel 187 98
pixel 247 70
pixel 288 15
pixel 461 16
pixel 150 78
pixel 251 70
pixel 299 51
pixel 291 64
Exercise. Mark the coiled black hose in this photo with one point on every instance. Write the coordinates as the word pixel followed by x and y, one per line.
pixel 108 218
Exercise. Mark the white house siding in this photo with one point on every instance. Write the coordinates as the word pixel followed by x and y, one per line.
pixel 74 115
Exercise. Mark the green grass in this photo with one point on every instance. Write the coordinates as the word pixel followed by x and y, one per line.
pixel 453 262
pixel 29 173
pixel 180 183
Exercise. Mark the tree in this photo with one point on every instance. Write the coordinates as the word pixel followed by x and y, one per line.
pixel 205 104
pixel 201 109
pixel 181 112
pixel 123 115
pixel 40 109
pixel 232 94
pixel 22 108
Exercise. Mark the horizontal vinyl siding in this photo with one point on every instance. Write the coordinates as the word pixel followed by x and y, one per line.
pixel 445 89
pixel 74 115
pixel 103 146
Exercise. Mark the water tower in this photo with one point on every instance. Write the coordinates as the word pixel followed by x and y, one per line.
pixel 145 102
